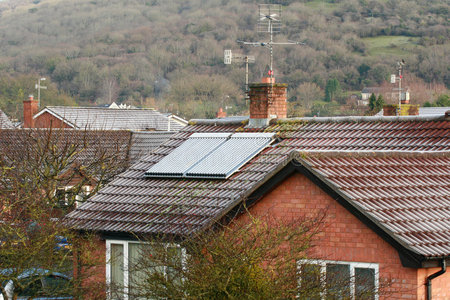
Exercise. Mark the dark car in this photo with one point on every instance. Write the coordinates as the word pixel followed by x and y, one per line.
pixel 38 284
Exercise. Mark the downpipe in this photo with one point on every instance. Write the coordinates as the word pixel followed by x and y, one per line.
pixel 434 275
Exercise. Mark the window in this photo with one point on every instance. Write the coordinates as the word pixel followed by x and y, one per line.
pixel 66 194
pixel 32 286
pixel 338 280
pixel 56 286
pixel 123 272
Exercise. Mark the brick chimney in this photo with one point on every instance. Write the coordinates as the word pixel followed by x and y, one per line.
pixel 30 108
pixel 221 114
pixel 406 110
pixel 267 101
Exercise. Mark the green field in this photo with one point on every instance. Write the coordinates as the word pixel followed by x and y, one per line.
pixel 390 45
pixel 322 5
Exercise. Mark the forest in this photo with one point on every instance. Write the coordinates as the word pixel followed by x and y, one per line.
pixel 168 54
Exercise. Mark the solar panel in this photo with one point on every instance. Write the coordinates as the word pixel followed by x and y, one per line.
pixel 211 155
pixel 193 150
pixel 230 156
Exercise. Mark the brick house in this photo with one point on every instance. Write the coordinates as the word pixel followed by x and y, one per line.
pixel 384 182
pixel 98 118
pixel 136 132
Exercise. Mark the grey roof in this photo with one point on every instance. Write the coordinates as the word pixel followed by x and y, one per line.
pixel 144 142
pixel 371 90
pixel 433 111
pixel 427 111
pixel 100 118
pixel 5 122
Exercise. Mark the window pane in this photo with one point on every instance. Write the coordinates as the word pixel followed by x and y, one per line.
pixel 136 268
pixel 173 270
pixel 56 286
pixel 338 281
pixel 140 267
pixel 310 283
pixel 364 283
pixel 31 286
pixel 117 274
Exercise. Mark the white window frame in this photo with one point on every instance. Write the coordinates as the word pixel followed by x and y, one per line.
pixel 125 244
pixel 85 189
pixel 352 264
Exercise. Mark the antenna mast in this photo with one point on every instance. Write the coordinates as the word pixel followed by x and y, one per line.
pixel 269 22
pixel 399 78
pixel 230 57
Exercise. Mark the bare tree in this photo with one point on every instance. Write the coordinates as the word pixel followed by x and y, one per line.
pixel 34 166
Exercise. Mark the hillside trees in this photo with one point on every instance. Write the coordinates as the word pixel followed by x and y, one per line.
pixel 140 42
pixel 376 103
pixel 308 93
pixel 442 101
pixel 15 89
pixel 332 90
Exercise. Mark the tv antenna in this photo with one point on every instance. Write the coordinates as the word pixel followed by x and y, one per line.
pixel 230 57
pixel 39 87
pixel 269 22
pixel 399 78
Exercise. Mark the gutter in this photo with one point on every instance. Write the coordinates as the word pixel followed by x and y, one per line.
pixel 434 275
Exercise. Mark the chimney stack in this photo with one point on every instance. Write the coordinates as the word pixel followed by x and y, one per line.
pixel 405 110
pixel 221 114
pixel 30 108
pixel 267 101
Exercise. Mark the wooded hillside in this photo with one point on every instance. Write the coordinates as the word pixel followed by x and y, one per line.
pixel 168 54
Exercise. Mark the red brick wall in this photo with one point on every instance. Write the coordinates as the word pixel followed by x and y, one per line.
pixel 261 107
pixel 92 273
pixel 47 120
pixel 343 237
pixel 440 285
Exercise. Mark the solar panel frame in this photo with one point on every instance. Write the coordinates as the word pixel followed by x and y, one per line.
pixel 230 156
pixel 188 154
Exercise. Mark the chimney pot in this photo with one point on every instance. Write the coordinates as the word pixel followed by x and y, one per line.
pixel 221 114
pixel 268 80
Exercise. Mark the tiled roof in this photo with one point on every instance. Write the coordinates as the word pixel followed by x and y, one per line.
pixel 407 194
pixel 132 203
pixel 100 118
pixel 89 144
pixel 129 145
pixel 5 122
pixel 144 142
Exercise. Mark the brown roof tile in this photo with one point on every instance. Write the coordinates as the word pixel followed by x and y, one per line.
pixel 179 206
pixel 407 193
